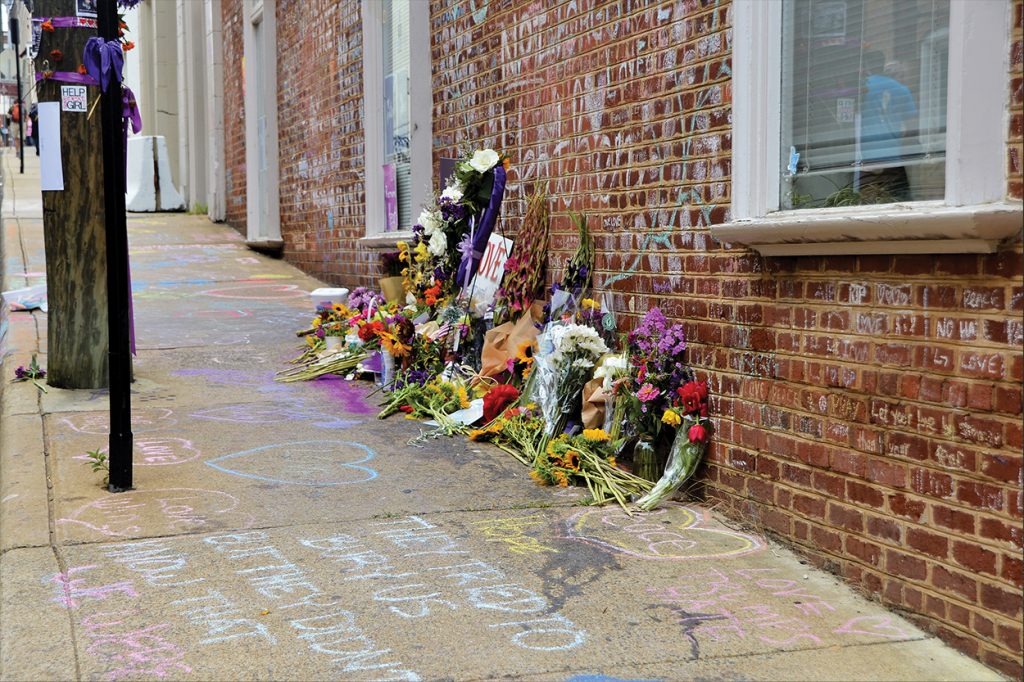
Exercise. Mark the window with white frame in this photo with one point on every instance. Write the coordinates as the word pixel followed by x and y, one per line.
pixel 870 126
pixel 397 110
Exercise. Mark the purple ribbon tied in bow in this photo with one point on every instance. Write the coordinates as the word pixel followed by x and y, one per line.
pixel 103 60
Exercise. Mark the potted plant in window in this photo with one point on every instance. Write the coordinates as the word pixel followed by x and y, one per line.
pixel 391 283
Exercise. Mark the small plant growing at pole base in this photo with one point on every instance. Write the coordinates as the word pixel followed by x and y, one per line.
pixel 98 462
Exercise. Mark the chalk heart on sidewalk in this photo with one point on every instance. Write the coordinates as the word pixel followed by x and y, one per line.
pixel 162 511
pixel 671 533
pixel 309 462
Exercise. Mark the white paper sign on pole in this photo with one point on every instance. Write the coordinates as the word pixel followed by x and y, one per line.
pixel 51 171
pixel 491 270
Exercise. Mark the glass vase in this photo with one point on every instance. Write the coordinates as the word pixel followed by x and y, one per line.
pixel 646 462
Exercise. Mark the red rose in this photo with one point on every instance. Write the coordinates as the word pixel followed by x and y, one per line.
pixel 497 399
pixel 406 408
pixel 697 434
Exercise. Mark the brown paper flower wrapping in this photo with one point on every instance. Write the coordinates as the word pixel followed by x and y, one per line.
pixel 500 345
pixel 594 404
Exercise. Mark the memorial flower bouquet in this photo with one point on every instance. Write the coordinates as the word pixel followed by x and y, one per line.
pixel 518 431
pixel 689 414
pixel 588 459
pixel 433 400
pixel 656 369
pixel 565 360
pixel 566 296
pixel 525 268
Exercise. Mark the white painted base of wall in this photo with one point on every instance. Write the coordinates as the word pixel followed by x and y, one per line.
pixel 150 186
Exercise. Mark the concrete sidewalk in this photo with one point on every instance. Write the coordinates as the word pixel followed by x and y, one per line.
pixel 280 531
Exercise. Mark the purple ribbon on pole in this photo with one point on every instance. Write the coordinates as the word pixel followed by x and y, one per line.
pixel 68 22
pixel 103 60
pixel 66 77
pixel 471 257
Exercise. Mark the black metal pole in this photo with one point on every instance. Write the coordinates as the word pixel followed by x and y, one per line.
pixel 120 450
pixel 13 26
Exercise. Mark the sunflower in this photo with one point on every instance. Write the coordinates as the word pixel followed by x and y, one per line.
pixel 463 396
pixel 524 352
pixel 596 435
pixel 391 344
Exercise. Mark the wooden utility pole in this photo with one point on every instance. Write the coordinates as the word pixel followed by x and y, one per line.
pixel 73 219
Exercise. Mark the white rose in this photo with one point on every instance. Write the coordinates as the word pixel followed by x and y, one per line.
pixel 438 243
pixel 484 160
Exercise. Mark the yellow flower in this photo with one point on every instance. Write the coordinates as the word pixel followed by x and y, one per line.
pixel 563 480
pixel 611 461
pixel 524 353
pixel 316 322
pixel 392 345
pixel 477 434
pixel 671 418
pixel 311 340
pixel 596 435
pixel 535 475
pixel 590 304
pixel 421 252
pixel 402 246
pixel 463 397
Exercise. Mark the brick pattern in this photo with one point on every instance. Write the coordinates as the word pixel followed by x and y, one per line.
pixel 320 111
pixel 234 112
pixel 867 409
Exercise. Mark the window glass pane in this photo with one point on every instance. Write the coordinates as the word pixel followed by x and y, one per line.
pixel 863 101
pixel 397 128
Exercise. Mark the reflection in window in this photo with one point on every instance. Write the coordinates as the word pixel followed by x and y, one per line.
pixel 397 126
pixel 863 102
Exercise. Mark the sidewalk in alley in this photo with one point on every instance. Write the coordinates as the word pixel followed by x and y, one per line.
pixel 280 531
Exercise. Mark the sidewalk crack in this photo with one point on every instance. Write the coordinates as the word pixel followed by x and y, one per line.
pixel 62 564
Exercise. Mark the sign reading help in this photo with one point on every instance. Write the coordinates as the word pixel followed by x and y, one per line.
pixel 73 98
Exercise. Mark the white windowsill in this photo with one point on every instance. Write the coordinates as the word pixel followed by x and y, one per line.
pixel 384 239
pixel 922 227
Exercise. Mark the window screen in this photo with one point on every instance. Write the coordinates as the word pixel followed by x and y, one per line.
pixel 863 102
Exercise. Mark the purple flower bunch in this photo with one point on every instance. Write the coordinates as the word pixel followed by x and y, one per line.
pixel 656 369
pixel 31 373
pixel 452 211
pixel 361 298
pixel 414 377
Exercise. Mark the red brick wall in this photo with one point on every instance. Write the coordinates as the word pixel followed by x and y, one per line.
pixel 321 140
pixel 867 408
pixel 234 113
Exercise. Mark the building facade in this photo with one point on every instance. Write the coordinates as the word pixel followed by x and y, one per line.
pixel 842 244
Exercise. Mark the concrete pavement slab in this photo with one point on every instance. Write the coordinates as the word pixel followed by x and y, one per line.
pixel 37 641
pixel 539 593
pixel 24 486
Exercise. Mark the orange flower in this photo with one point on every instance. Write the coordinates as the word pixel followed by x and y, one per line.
pixel 432 294
pixel 81 69
pixel 129 45
pixel 507 163
pixel 47 26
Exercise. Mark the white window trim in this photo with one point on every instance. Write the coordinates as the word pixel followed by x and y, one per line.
pixel 420 108
pixel 975 216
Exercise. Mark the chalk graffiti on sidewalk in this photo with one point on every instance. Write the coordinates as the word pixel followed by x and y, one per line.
pixel 159 512
pixel 310 462
pixel 672 533
pixel 157 451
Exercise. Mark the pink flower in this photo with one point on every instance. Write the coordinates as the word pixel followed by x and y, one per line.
pixel 648 393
